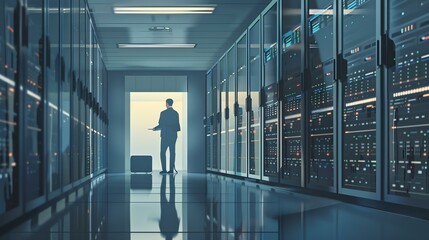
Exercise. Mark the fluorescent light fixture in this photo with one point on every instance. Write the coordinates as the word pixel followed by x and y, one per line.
pixel 160 29
pixel 156 45
pixel 164 10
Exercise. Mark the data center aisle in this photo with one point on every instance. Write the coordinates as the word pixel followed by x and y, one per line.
pixel 189 206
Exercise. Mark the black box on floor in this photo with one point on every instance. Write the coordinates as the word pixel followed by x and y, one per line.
pixel 141 164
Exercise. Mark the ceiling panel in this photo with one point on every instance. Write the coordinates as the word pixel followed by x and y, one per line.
pixel 213 33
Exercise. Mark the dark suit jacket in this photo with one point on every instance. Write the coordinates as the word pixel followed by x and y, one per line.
pixel 168 123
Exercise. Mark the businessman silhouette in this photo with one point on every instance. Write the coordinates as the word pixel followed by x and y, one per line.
pixel 169 125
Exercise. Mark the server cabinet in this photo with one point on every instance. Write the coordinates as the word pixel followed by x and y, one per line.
pixel 241 106
pixel 66 81
pixel 270 92
pixel 291 89
pixel 224 114
pixel 54 65
pixel 254 101
pixel 82 87
pixel 75 125
pixel 10 73
pixel 407 55
pixel 215 119
pixel 231 117
pixel 88 93
pixel 208 120
pixel 321 95
pixel 358 81
pixel 33 49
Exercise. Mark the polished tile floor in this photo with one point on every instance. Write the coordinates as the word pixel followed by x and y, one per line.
pixel 190 206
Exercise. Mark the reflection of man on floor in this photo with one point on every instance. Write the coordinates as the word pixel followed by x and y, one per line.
pixel 169 221
pixel 169 126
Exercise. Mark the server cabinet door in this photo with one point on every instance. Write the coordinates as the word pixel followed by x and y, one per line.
pixel 207 122
pixel 34 85
pixel 66 54
pixel 231 125
pixel 74 113
pixel 241 111
pixel 358 155
pixel 223 71
pixel 54 65
pixel 10 161
pixel 408 91
pixel 271 103
pixel 215 117
pixel 255 98
pixel 321 95
pixel 291 93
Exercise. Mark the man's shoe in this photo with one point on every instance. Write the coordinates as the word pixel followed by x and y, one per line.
pixel 170 172
pixel 162 172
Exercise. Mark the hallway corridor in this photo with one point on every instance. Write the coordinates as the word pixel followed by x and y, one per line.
pixel 191 206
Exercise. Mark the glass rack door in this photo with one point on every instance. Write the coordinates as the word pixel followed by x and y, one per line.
pixel 242 130
pixel 34 85
pixel 292 96
pixel 254 61
pixel 359 95
pixel 321 94
pixel 231 129
pixel 408 88
pixel 9 108
pixel 271 103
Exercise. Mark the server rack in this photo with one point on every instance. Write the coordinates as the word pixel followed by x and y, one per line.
pixel 66 37
pixel 241 106
pixel 38 87
pixel 358 87
pixel 405 42
pixel 34 97
pixel 292 93
pixel 208 121
pixel 254 101
pixel 230 111
pixel 321 100
pixel 270 73
pixel 224 113
pixel 215 119
pixel 11 168
pixel 353 116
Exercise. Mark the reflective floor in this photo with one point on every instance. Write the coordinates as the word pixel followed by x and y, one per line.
pixel 189 206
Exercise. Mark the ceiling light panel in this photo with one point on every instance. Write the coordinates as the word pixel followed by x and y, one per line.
pixel 163 10
pixel 156 45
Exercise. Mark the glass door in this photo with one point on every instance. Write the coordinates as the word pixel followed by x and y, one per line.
pixel 358 156
pixel 271 103
pixel 215 118
pixel 254 61
pixel 10 161
pixel 232 114
pixel 241 111
pixel 408 92
pixel 321 95
pixel 291 93
pixel 34 85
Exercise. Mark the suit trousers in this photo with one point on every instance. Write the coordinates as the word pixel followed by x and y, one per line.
pixel 170 143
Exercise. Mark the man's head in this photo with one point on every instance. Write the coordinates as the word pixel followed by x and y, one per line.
pixel 169 103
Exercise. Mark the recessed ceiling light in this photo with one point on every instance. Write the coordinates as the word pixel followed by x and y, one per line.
pixel 164 10
pixel 156 45
pixel 160 29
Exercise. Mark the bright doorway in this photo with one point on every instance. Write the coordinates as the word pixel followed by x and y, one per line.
pixel 145 108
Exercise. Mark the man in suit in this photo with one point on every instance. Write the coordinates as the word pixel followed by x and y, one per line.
pixel 169 125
